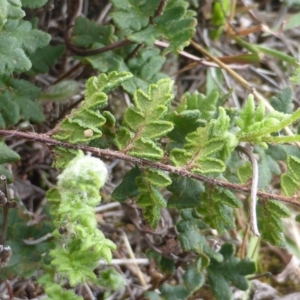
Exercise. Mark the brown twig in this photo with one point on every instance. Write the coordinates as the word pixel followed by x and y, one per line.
pixel 147 163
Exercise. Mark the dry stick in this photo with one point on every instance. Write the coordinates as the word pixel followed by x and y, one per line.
pixel 199 60
pixel 254 184
pixel 146 163
pixel 131 255
pixel 89 291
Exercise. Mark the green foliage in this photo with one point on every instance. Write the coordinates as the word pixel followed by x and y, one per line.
pixel 197 154
pixel 55 291
pixel 199 135
pixel 283 101
pixel 17 102
pixel 192 281
pixel 82 245
pixel 111 279
pixel 290 181
pixel 61 91
pixel 257 127
pixel 267 167
pixel 10 9
pixel 7 156
pixel 26 259
pixel 165 265
pixel 144 122
pixel 33 3
pixel 18 39
pixel 216 207
pixel 176 23
pixel 128 187
pixel 145 66
pixel 270 225
pixel 149 196
pixel 231 270
pixel 191 238
pixel 88 117
pixel 186 192
pixel 192 112
pixel 218 18
pixel 45 57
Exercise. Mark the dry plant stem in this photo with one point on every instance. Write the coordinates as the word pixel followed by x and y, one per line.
pixel 89 292
pixel 199 60
pixel 160 8
pixel 237 77
pixel 5 211
pixel 46 237
pixel 232 10
pixel 126 261
pixel 146 163
pixel 131 255
pixel 243 246
pixel 267 274
pixel 254 184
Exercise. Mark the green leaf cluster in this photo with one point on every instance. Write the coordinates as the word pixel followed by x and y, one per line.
pixel 198 154
pixel 84 123
pixel 145 185
pixel 271 228
pixel 150 197
pixel 18 101
pixel 290 181
pixel 216 206
pixel 26 259
pixel 7 156
pixel 193 111
pixel 192 238
pixel 144 122
pixel 231 270
pixel 56 291
pixel 81 245
pixel 145 66
pixel 258 127
pixel 139 22
pixel 186 192
pixel 18 40
pixel 192 281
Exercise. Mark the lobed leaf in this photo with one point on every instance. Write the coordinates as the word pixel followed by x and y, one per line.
pixel 144 123
pixel 283 101
pixel 45 57
pixel 87 116
pixel 270 225
pixel 191 238
pixel 7 155
pixel 196 154
pixel 231 270
pixel 17 102
pixel 186 192
pixel 216 206
pixel 127 188
pixel 87 33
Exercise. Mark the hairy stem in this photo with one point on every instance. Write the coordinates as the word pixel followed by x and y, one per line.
pixel 146 163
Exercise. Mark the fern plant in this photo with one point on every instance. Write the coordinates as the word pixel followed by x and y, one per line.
pixel 183 152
